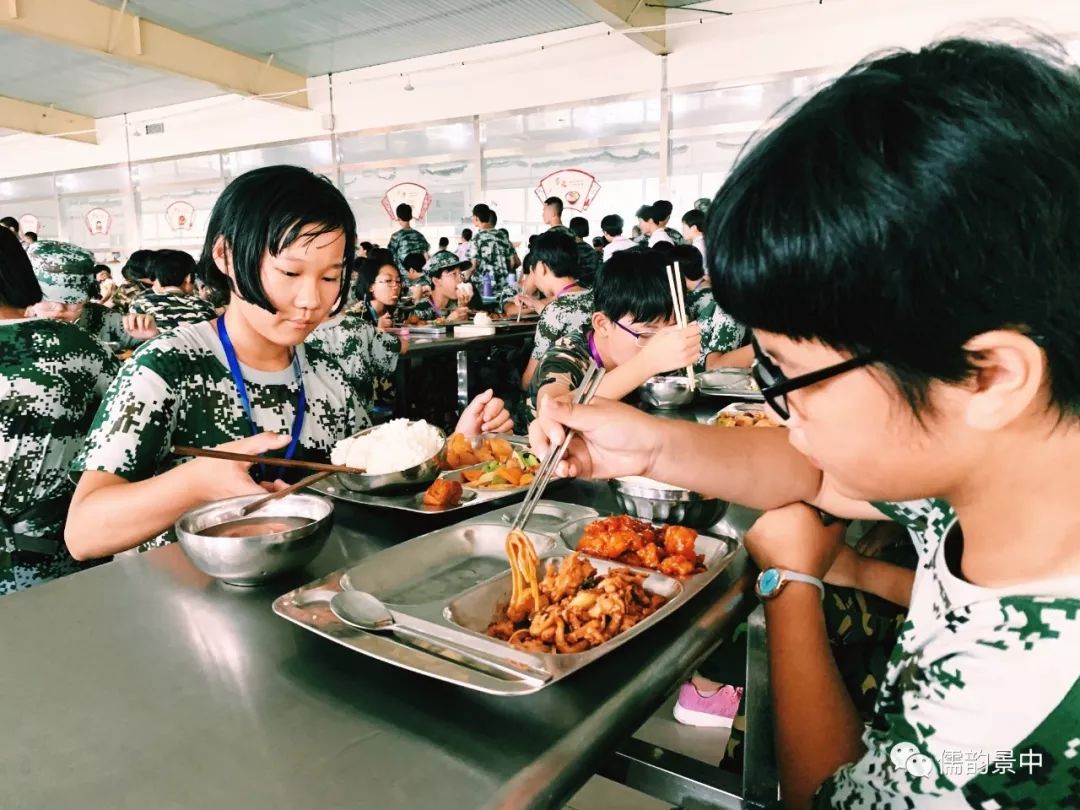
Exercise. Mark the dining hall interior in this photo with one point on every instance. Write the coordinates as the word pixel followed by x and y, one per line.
pixel 586 404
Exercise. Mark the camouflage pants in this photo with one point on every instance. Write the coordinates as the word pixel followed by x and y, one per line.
pixel 862 630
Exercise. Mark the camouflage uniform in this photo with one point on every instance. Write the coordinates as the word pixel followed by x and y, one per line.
pixel 368 357
pixel 52 376
pixel 126 295
pixel 675 237
pixel 562 229
pixel 425 309
pixel 719 331
pixel 177 389
pixel 566 362
pixel 405 241
pixel 493 253
pixel 567 315
pixel 173 309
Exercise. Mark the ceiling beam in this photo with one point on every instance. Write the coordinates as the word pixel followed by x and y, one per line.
pixel 115 34
pixel 27 117
pixel 621 14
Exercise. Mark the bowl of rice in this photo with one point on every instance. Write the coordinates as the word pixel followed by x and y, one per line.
pixel 398 455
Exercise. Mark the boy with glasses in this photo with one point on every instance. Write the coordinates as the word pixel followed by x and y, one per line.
pixel 912 290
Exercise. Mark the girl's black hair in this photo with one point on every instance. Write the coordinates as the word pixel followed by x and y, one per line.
pixel 170 268
pixel 694 219
pixel 269 209
pixel 920 200
pixel 558 251
pixel 369 268
pixel 18 285
pixel 634 282
pixel 136 267
pixel 690 262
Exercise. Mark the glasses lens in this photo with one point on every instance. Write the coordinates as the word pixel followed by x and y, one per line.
pixel 766 375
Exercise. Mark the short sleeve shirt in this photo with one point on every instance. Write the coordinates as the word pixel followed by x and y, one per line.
pixel 719 331
pixel 405 241
pixel 366 355
pixel 980 705
pixel 567 315
pixel 493 252
pixel 566 363
pixel 173 309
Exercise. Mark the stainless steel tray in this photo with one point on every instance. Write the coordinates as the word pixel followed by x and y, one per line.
pixel 729 382
pixel 452 582
pixel 410 501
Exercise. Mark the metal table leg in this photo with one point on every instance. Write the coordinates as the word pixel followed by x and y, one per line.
pixel 462 379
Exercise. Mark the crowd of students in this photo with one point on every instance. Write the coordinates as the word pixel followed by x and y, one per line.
pixel 904 248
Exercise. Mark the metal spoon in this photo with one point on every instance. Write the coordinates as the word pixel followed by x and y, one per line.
pixel 364 611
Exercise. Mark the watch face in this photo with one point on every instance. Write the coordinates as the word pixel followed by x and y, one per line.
pixel 769 581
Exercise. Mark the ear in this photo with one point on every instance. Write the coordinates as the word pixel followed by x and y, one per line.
pixel 1010 375
pixel 222 256
pixel 601 324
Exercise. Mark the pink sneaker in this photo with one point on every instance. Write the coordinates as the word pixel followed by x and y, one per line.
pixel 706 703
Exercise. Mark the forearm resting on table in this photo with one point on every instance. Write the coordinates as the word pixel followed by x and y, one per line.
pixel 110 514
pixel 817 727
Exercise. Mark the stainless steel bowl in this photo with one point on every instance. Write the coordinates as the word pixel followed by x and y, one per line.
pixel 661 505
pixel 666 392
pixel 252 560
pixel 423 473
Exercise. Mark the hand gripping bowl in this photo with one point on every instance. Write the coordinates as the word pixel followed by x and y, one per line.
pixel 660 503
pixel 423 473
pixel 666 392
pixel 254 559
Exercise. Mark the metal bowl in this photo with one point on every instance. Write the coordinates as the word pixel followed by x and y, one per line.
pixel 662 505
pixel 666 392
pixel 252 560
pixel 411 478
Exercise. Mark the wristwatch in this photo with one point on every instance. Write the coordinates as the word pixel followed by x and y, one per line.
pixel 772 580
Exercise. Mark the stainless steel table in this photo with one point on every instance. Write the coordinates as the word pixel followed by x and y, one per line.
pixel 143 684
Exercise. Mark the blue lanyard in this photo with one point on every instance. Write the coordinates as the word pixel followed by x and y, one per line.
pixel 434 308
pixel 241 388
pixel 373 313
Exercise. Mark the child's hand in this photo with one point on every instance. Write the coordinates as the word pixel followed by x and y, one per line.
pixel 671 349
pixel 227 479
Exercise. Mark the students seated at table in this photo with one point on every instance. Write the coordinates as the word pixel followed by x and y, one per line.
pixel 406 239
pixel 378 290
pixel 280 243
pixel 721 335
pixel 450 296
pixel 52 377
pixel 693 230
pixel 137 280
pixel 66 275
pixel 913 292
pixel 171 302
pixel 588 261
pixel 612 226
pixel 569 304
pixel 631 333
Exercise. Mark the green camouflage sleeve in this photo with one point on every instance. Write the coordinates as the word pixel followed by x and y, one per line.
pixel 363 353
pixel 132 432
pixel 565 363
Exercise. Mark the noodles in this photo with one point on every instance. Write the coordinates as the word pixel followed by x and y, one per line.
pixel 523 565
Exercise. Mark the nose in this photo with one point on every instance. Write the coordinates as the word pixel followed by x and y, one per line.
pixel 307 292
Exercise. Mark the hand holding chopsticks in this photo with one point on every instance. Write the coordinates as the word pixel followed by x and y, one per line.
pixel 678 299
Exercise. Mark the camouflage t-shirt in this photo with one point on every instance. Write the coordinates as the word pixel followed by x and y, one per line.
pixel 492 252
pixel 126 294
pixel 173 309
pixel 368 357
pixel 675 237
pixel 177 390
pixel 567 315
pixel 52 376
pixel 719 331
pixel 107 325
pixel 405 241
pixel 426 310
pixel 980 705
pixel 566 362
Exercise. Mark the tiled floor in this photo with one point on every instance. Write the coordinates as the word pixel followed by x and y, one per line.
pixel 706 744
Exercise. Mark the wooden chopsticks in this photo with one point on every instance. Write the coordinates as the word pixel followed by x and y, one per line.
pixel 203 452
pixel 679 300
pixel 255 506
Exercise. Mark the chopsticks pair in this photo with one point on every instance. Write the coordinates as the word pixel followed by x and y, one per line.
pixel 678 298
pixel 585 392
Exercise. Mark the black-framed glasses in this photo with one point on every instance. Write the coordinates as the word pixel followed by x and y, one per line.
pixel 641 339
pixel 775 386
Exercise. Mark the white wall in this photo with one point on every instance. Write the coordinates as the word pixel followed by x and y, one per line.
pixel 763 37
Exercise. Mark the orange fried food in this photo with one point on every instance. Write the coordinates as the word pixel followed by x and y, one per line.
pixel 639 543
pixel 679 540
pixel 461 451
pixel 443 494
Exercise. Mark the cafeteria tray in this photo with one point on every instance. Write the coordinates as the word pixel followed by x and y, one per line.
pixel 420 331
pixel 451 583
pixel 729 382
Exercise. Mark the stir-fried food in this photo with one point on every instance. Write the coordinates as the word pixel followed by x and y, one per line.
pixel 462 452
pixel 667 549
pixel 519 471
pixel 578 609
pixel 443 494
pixel 525 592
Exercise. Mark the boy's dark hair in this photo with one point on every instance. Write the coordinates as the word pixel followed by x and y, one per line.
pixel 18 285
pixel 466 234
pixel 444 242
pixel 414 261
pixel 665 249
pixel 691 265
pixel 646 213
pixel 482 212
pixel 493 217
pixel 136 266
pixel 555 203
pixel 366 246
pixel 268 209
pixel 694 219
pixel 921 199
pixel 599 242
pixel 10 223
pixel 634 282
pixel 612 225
pixel 403 212
pixel 558 252
pixel 580 227
pixel 31 236
pixel 368 270
pixel 661 210
pixel 170 268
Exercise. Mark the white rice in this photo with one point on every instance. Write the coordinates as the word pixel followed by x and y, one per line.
pixel 395 446
pixel 649 483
